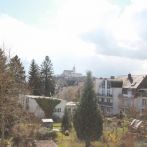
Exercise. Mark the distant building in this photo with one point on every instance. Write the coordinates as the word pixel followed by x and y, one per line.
pixel 122 93
pixel 67 78
pixel 71 73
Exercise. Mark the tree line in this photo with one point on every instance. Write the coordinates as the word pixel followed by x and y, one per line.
pixel 41 80
pixel 13 82
pixel 87 119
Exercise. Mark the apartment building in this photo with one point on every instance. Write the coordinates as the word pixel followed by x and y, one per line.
pixel 122 93
pixel 108 91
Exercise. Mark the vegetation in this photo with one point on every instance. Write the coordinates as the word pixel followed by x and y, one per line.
pixel 17 70
pixel 34 79
pixel 11 83
pixel 47 105
pixel 112 137
pixel 66 122
pixel 47 79
pixel 88 121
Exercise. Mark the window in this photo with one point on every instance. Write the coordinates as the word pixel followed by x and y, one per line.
pixel 108 100
pixel 125 91
pixel 109 109
pixel 108 92
pixel 144 102
pixel 103 92
pixel 102 99
pixel 103 84
pixel 58 110
pixel 108 85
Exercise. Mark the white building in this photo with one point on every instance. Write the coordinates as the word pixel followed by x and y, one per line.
pixel 122 93
pixel 108 91
pixel 71 107
pixel 30 104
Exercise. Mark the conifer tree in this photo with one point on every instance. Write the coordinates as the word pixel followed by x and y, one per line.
pixel 9 107
pixel 87 120
pixel 66 121
pixel 18 71
pixel 47 79
pixel 34 79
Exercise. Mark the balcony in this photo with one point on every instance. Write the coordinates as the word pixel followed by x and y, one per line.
pixel 103 96
pixel 105 103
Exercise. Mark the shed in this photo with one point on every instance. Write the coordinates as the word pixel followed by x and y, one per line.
pixel 47 123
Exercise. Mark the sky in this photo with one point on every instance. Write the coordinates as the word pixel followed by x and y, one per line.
pixel 107 37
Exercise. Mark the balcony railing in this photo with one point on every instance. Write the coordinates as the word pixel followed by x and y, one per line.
pixel 104 96
pixel 105 103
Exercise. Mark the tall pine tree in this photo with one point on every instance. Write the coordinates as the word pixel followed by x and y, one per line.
pixel 34 79
pixel 17 69
pixel 48 83
pixel 87 120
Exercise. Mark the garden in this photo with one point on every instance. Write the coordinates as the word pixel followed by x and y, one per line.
pixel 116 133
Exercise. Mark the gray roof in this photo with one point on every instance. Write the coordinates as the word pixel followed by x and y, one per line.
pixel 137 79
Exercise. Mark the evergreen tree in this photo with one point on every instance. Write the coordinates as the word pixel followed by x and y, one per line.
pixel 66 121
pixel 18 71
pixel 87 120
pixel 34 79
pixel 2 61
pixel 47 79
pixel 9 108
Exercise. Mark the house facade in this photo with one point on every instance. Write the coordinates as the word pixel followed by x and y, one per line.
pixel 30 105
pixel 121 93
pixel 108 91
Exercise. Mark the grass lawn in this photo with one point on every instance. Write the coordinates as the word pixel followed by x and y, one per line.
pixel 111 138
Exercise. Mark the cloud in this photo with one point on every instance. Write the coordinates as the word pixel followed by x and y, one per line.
pixel 92 35
pixel 31 42
pixel 107 44
pixel 125 36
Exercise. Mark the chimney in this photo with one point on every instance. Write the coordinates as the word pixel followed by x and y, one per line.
pixel 130 78
pixel 112 77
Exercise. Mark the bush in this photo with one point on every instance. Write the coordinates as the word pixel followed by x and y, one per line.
pixel 21 133
pixel 45 133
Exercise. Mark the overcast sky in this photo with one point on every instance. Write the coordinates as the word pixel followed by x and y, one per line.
pixel 108 37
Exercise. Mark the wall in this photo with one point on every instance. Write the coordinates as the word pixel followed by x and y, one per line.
pixel 58 107
pixel 115 94
pixel 30 105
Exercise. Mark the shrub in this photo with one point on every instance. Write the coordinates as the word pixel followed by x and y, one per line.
pixel 45 133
